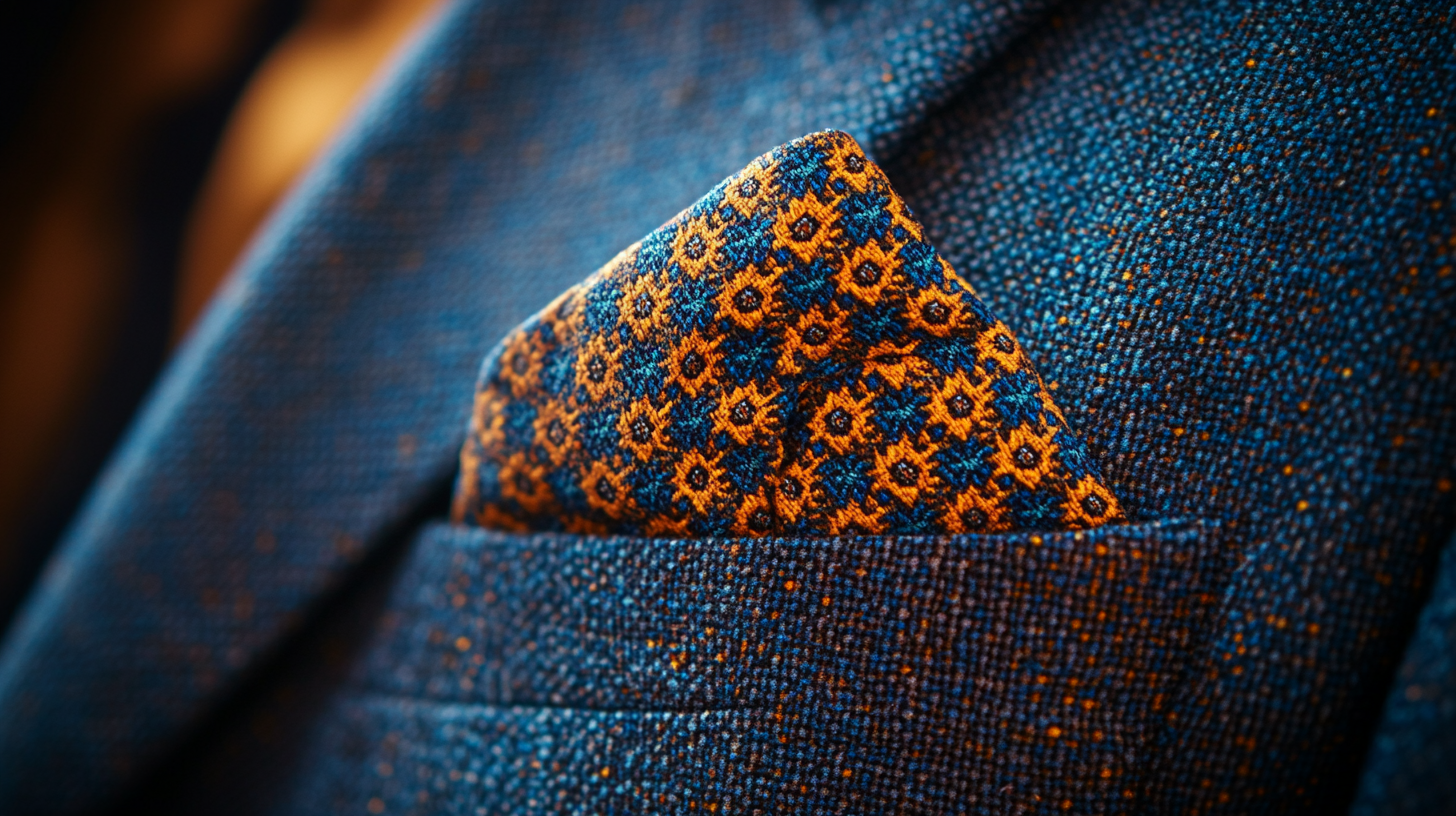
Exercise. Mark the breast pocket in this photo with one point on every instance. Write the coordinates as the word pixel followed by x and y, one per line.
pixel 963 674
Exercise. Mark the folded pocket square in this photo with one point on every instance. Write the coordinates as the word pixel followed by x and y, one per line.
pixel 788 356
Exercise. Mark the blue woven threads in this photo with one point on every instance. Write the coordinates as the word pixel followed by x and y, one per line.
pixel 788 356
pixel 862 675
pixel 1276 364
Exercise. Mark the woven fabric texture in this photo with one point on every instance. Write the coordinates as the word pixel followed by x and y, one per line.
pixel 1408 770
pixel 788 356
pixel 765 675
pixel 1221 232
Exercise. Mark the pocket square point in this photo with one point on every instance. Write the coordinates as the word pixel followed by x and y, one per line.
pixel 786 357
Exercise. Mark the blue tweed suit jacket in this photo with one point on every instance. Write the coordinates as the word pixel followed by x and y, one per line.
pixel 1222 231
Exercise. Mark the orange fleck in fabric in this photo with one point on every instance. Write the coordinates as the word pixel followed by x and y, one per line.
pixel 787 357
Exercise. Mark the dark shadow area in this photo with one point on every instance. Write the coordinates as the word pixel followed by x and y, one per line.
pixel 162 179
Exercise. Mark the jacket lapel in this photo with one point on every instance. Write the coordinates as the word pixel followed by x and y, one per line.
pixel 326 392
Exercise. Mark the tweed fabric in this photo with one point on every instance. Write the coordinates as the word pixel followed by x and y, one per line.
pixel 1199 219
pixel 1251 246
pixel 769 675
pixel 788 356
pixel 1409 768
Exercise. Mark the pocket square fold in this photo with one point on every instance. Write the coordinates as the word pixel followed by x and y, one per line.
pixel 789 356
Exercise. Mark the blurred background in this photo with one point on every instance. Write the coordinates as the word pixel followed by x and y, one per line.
pixel 141 144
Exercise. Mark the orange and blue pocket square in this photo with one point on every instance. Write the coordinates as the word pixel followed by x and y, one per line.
pixel 789 356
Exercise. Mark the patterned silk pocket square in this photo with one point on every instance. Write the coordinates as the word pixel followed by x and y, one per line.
pixel 787 357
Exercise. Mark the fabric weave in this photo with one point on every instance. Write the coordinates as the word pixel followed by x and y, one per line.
pixel 788 356
pixel 553 672
pixel 1223 230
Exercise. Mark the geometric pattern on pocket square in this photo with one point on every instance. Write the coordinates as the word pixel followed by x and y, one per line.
pixel 788 356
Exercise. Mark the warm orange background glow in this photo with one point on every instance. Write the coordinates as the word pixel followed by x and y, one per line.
pixel 291 108
pixel 65 251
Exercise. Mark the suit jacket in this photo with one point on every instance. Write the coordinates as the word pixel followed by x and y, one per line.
pixel 1221 231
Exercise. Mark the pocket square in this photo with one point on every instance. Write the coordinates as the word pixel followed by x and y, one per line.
pixel 789 356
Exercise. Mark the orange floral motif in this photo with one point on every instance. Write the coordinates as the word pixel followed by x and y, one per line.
pixel 522 361
pixel 555 432
pixel 606 490
pixel 866 273
pixel 841 423
pixel 1027 454
pixel 694 247
pixel 597 368
pixel 788 356
pixel 962 405
pixel 804 228
pixel 644 307
pixel 978 511
pixel 904 470
pixel 697 480
pixel 640 428
pixel 809 337
pixel 692 363
pixel 747 414
pixel 747 299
